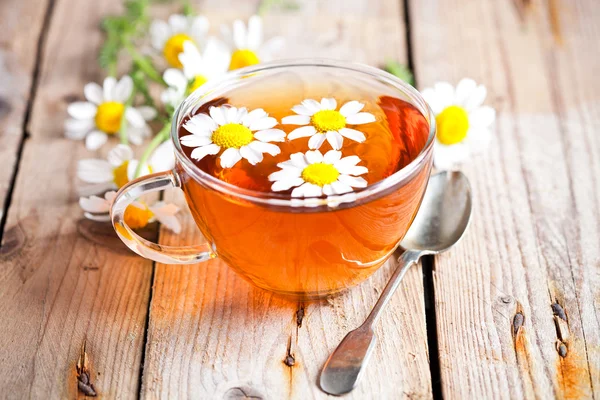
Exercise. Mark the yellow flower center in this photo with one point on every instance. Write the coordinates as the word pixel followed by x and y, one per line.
pixel 320 174
pixel 108 116
pixel 243 58
pixel 328 120
pixel 198 81
pixel 452 125
pixel 232 135
pixel 120 175
pixel 137 218
pixel 173 47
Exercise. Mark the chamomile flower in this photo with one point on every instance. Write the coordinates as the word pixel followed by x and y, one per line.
pixel 247 43
pixel 137 215
pixel 463 123
pixel 241 133
pixel 313 174
pixel 102 114
pixel 321 121
pixel 198 68
pixel 169 37
pixel 112 173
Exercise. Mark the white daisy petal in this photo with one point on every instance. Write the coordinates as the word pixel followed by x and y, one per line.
pixel 95 139
pixel 76 135
pixel 82 110
pixel 218 115
pixel 464 89
pixel 351 108
pixel 253 116
pixel 94 204
pixel 335 139
pixel 296 120
pixel 195 140
pixel 134 117
pixel 79 125
pixel 231 114
pixel 298 160
pixel 199 28
pixel 200 152
pixel 132 167
pixel 476 99
pixel 93 93
pixel 450 157
pixel 430 97
pixel 303 110
pixel 328 190
pixel 263 123
pixel 353 134
pixel 230 157
pixel 175 78
pixel 286 184
pixel 147 112
pixel 119 154
pixel 159 31
pixel 332 156
pixel 307 190
pixel 135 135
pixel 239 34
pixel 270 135
pixel 340 187
pixel 241 114
pixel 178 23
pixel 346 162
pixel 358 170
pixel 313 105
pixel 109 88
pixel 255 32
pixel 482 117
pixel 304 131
pixel 123 89
pixel 94 171
pixel 165 214
pixel 313 157
pixel 163 158
pixel 316 141
pixel 253 156
pixel 285 174
pixel 264 147
pixel 360 118
pixel 445 93
pixel 354 181
pixel 328 103
pixel 200 124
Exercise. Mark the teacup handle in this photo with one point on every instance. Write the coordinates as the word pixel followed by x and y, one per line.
pixel 157 252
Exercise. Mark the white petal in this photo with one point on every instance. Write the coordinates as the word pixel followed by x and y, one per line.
pixel 353 134
pixel 482 117
pixel 346 162
pixel 263 123
pixel 147 112
pixel 305 131
pixel 79 125
pixel 241 114
pixel 94 171
pixel 195 140
pixel 97 217
pixel 82 110
pixel 231 114
pixel 430 97
pixel 255 32
pixel 316 141
pixel 132 166
pixel 227 36
pixel 95 139
pixel 307 190
pixel 296 120
pixel 159 31
pixel 134 117
pixel 199 28
pixel 445 93
pixel 297 160
pixel 351 108
pixel 270 135
pixel 335 139
pixel 313 105
pixel 239 34
pixel 357 170
pixel 252 116
pixel 201 124
pixel 76 135
pixel 218 115
pixel 119 154
pixel 135 135
pixel 93 93
pixel 165 214
pixel 476 99
pixel 230 157
pixel 201 152
pixel 450 157
pixel 178 23
pixel 313 157
pixel 360 118
pixel 285 174
pixel 303 110
pixel 332 156
pixel 464 89
pixel 175 78
pixel 286 184
pixel 163 158
pixel 340 187
pixel 328 103
pixel 123 89
pixel 94 204
pixel 109 88
pixel 261 147
pixel 354 181
pixel 253 156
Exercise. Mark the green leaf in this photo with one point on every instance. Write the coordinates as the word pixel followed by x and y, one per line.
pixel 399 70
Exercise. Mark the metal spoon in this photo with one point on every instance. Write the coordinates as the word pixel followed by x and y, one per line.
pixel 440 223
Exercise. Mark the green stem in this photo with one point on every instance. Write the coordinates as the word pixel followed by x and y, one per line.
pixel 112 69
pixel 144 64
pixel 123 130
pixel 160 137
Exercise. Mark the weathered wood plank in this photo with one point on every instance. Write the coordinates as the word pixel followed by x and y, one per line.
pixel 21 25
pixel 535 235
pixel 63 280
pixel 211 335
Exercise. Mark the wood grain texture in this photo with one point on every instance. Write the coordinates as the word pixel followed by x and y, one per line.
pixel 63 279
pixel 212 335
pixel 21 24
pixel 535 236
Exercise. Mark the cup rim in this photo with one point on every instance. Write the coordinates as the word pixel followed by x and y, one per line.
pixel 368 193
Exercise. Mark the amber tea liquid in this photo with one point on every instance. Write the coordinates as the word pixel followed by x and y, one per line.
pixel 312 251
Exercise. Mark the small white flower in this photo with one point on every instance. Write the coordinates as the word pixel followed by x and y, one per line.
pixel 247 44
pixel 197 70
pixel 112 173
pixel 314 175
pixel 241 133
pixel 463 123
pixel 169 37
pixel 163 158
pixel 321 121
pixel 137 215
pixel 102 113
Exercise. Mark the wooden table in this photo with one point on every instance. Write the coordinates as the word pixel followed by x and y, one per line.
pixel 484 321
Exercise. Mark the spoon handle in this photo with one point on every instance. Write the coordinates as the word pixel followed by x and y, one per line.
pixel 406 260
